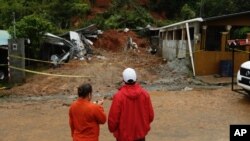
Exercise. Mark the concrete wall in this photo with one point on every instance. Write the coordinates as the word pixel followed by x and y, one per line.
pixel 175 43
pixel 173 49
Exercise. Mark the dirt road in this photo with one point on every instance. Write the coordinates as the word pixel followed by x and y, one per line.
pixel 179 116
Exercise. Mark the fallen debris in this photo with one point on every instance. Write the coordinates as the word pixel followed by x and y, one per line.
pixel 131 45
pixel 188 89
pixel 71 45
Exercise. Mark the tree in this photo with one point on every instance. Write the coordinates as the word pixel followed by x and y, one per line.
pixel 7 9
pixel 171 8
pixel 61 12
pixel 187 12
pixel 216 8
pixel 126 13
pixel 241 33
pixel 242 5
pixel 32 27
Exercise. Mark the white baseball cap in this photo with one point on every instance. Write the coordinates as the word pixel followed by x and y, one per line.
pixel 129 75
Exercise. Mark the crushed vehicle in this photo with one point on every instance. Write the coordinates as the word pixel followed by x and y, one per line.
pixel 71 45
pixel 56 49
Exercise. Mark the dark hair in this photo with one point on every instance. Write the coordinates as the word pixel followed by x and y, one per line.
pixel 84 90
pixel 130 82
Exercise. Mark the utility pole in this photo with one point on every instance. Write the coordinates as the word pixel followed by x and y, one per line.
pixel 14 23
pixel 202 8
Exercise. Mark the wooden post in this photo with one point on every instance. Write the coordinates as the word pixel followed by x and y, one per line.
pixel 203 37
pixel 248 47
pixel 223 40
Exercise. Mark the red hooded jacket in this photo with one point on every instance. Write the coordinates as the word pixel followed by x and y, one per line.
pixel 131 113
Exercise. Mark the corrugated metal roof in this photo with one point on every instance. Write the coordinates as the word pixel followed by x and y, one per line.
pixel 4 36
pixel 182 22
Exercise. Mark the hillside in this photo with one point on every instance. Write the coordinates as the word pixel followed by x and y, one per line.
pixel 101 6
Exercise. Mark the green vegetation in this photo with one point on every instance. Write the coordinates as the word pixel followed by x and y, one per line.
pixel 32 27
pixel 241 33
pixel 59 14
pixel 174 9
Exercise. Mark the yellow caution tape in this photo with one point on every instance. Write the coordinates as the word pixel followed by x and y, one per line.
pixel 30 59
pixel 49 74
pixel 42 73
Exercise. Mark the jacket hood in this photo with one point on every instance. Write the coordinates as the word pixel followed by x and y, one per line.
pixel 131 91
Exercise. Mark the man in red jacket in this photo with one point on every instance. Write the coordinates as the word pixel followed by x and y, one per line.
pixel 131 111
pixel 85 116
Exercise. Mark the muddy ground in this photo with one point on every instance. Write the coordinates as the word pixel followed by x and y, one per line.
pixel 179 116
pixel 186 108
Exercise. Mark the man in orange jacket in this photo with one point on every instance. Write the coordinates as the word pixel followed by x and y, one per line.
pixel 131 111
pixel 85 116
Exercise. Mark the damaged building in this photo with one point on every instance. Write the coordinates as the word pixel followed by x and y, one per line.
pixel 71 45
pixel 53 49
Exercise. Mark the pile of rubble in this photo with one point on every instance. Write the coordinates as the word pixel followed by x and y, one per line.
pixel 79 44
pixel 71 45
pixel 115 41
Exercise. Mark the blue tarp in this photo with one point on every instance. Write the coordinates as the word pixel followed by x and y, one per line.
pixel 4 36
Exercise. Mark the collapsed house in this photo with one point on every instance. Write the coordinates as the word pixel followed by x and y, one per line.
pixel 71 45
pixel 53 49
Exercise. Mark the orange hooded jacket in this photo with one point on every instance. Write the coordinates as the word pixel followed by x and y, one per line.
pixel 84 120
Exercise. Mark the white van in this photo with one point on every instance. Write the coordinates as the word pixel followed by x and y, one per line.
pixel 243 76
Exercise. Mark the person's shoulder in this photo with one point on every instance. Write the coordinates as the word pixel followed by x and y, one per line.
pixel 74 102
pixel 139 86
pixel 143 90
pixel 73 105
pixel 119 94
pixel 94 105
